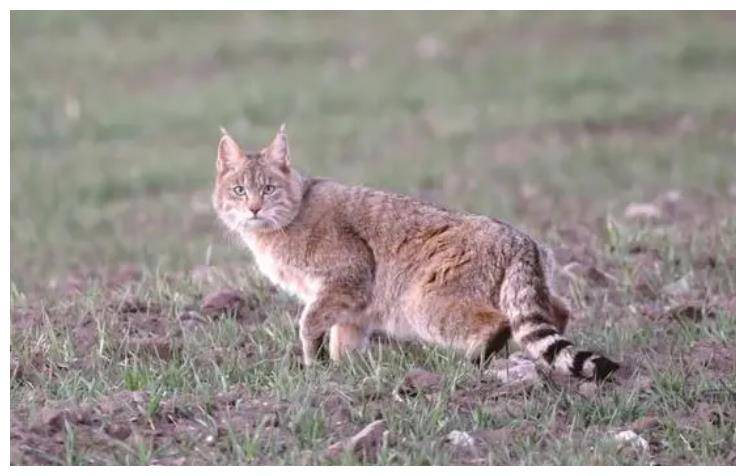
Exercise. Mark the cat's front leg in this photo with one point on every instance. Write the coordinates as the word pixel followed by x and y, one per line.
pixel 329 308
pixel 312 330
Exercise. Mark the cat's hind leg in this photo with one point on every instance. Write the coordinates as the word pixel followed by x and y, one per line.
pixel 478 330
pixel 333 305
pixel 345 338
pixel 488 329
pixel 485 332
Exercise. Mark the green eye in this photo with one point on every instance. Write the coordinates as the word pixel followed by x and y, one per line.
pixel 268 189
pixel 239 190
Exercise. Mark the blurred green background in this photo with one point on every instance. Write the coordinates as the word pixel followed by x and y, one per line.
pixel 535 117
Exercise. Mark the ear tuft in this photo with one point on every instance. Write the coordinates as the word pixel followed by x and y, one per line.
pixel 229 153
pixel 278 151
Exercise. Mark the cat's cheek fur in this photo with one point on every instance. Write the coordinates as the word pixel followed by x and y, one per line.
pixel 230 219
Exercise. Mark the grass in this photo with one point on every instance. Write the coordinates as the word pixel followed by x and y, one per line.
pixel 555 122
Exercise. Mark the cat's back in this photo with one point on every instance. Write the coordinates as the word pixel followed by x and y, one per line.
pixel 393 223
pixel 371 210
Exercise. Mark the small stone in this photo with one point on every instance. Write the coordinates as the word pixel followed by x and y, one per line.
pixel 630 438
pixel 365 445
pixel 460 438
pixel 418 381
pixel 516 372
pixel 222 302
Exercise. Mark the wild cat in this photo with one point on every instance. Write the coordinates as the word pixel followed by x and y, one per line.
pixel 364 260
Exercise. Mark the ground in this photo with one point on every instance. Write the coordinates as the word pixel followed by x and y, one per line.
pixel 610 137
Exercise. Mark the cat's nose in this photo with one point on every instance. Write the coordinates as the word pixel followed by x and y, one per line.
pixel 255 208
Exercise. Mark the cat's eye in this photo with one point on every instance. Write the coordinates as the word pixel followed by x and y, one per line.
pixel 269 188
pixel 239 190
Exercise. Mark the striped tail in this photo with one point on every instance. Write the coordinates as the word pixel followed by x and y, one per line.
pixel 525 299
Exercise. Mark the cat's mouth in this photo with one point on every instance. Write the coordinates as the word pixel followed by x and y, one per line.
pixel 256 222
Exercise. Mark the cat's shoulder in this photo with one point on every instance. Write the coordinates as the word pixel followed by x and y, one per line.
pixel 319 185
pixel 317 188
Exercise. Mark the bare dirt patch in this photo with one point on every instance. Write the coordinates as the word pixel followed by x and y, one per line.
pixel 132 417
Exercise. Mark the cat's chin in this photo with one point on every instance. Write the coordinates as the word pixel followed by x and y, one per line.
pixel 258 224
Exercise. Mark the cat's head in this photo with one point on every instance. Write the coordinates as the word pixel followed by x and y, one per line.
pixel 256 191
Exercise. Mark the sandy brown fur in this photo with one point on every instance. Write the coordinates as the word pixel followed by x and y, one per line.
pixel 364 260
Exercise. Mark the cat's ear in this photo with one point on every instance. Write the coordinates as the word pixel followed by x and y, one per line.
pixel 229 153
pixel 278 151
